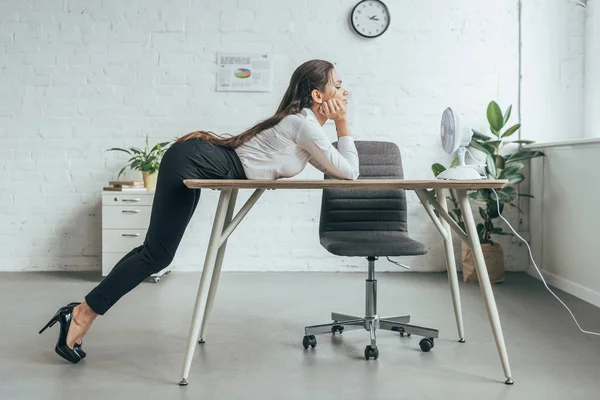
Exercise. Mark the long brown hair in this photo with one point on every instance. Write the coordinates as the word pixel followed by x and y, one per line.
pixel 311 75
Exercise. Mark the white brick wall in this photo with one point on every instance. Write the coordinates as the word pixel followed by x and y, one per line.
pixel 78 77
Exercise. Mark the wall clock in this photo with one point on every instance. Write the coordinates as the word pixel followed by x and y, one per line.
pixel 370 18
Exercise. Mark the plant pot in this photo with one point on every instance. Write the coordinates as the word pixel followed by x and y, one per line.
pixel 150 180
pixel 494 261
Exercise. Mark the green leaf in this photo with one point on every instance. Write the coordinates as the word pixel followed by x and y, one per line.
pixel 491 166
pixel 515 206
pixel 500 162
pixel 507 114
pixel 515 178
pixel 479 196
pixel 453 216
pixel 480 136
pixel 494 116
pixel 482 147
pixel 511 130
pixel 507 193
pixel 121 171
pixel 492 207
pixel 482 213
pixel 118 149
pixel 491 149
pixel 521 141
pixel 511 169
pixel 159 146
pixel 437 169
pixel 496 230
pixel 486 144
pixel 454 162
pixel 480 229
pixel 524 155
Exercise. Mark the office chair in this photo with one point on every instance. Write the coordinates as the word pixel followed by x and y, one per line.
pixel 371 224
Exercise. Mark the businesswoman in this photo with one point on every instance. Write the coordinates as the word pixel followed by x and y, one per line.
pixel 278 147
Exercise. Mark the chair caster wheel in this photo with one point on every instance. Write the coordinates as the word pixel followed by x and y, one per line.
pixel 156 279
pixel 402 334
pixel 168 272
pixel 310 340
pixel 201 341
pixel 371 352
pixel 426 344
pixel 183 382
pixel 337 329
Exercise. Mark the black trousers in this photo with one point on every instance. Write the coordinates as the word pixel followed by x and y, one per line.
pixel 172 209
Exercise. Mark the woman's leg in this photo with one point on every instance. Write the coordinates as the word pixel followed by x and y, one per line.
pixel 84 312
pixel 172 209
pixel 171 213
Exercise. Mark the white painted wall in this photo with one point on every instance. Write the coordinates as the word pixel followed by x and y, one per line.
pixel 552 102
pixel 560 105
pixel 592 70
pixel 78 77
pixel 564 223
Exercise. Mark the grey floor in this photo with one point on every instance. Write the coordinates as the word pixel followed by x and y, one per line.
pixel 254 351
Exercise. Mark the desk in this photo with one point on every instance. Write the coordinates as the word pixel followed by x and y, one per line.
pixel 225 223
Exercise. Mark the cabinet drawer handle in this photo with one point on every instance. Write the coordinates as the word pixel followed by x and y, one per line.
pixel 131 200
pixel 130 211
pixel 130 234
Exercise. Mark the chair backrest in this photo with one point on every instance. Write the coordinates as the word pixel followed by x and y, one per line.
pixel 368 210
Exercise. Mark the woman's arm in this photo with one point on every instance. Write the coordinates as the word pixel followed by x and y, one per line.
pixel 341 163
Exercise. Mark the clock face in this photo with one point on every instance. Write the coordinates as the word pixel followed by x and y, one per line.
pixel 370 18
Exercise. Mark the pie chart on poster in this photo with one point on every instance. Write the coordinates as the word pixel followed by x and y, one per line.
pixel 242 73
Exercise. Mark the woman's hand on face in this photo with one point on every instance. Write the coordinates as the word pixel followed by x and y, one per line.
pixel 333 109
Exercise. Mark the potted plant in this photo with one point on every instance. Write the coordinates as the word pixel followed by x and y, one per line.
pixel 500 164
pixel 146 160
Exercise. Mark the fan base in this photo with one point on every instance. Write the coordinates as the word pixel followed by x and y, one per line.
pixel 460 173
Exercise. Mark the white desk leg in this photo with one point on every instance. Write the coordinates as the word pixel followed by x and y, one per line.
pixel 214 282
pixel 451 265
pixel 201 297
pixel 484 282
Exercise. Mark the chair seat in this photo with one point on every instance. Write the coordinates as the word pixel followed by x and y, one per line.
pixel 371 243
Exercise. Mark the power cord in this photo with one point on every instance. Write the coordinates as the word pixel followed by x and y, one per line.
pixel 531 255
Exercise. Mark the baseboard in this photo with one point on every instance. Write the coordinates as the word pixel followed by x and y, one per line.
pixel 575 289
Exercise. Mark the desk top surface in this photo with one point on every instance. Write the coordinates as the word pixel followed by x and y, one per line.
pixel 343 184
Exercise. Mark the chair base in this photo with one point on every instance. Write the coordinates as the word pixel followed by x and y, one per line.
pixel 343 322
pixel 398 324
pixel 371 322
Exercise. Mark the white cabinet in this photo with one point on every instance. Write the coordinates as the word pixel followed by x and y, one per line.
pixel 125 220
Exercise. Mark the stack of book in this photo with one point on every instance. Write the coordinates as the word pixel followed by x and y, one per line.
pixel 125 186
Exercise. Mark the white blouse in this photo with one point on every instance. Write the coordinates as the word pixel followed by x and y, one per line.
pixel 284 150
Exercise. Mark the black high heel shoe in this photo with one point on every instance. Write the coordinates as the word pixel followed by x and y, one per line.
pixel 78 347
pixel 64 315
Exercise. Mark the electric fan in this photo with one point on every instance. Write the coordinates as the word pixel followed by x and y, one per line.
pixel 456 137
